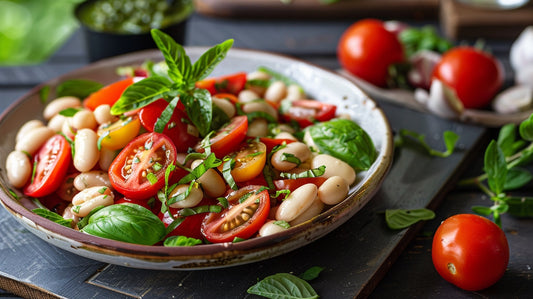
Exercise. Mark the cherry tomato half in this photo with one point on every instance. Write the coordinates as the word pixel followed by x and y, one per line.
pixel 229 137
pixel 307 112
pixel 108 94
pixel 190 227
pixel 273 142
pixel 366 49
pixel 470 251
pixel 240 219
pixel 117 135
pixel 139 169
pixel 249 161
pixel 233 84
pixel 53 160
pixel 176 129
pixel 476 76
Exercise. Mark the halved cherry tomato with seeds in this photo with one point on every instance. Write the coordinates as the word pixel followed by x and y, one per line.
pixel 52 162
pixel 308 112
pixel 190 227
pixel 177 127
pixel 233 84
pixel 139 170
pixel 117 135
pixel 229 137
pixel 108 94
pixel 247 211
pixel 249 161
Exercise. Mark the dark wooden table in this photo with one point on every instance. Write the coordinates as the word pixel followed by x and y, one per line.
pixel 362 258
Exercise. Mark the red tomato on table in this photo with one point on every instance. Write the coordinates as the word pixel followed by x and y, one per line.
pixel 470 251
pixel 366 49
pixel 476 76
pixel 239 219
pixel 139 169
pixel 53 160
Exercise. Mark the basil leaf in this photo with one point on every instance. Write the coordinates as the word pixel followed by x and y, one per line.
pixel 79 88
pixel 175 241
pixel 44 93
pixel 526 129
pixel 496 167
pixel 345 140
pixel 517 178
pixel 311 273
pixel 53 217
pixel 482 210
pixel 507 140
pixel 450 139
pixel 179 64
pixel 141 94
pixel 520 206
pixel 165 116
pixel 399 219
pixel 69 112
pixel 283 285
pixel 199 108
pixel 209 60
pixel 126 222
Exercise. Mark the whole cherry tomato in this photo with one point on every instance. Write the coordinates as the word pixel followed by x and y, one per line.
pixel 366 49
pixel 476 76
pixel 470 251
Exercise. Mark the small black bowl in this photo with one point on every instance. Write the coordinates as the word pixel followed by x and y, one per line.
pixel 103 44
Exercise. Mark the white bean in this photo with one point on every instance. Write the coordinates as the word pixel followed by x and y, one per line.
pixel 334 167
pixel 194 197
pixel 106 158
pixel 257 75
pixel 276 91
pixel 91 178
pixel 212 183
pixel 102 114
pixel 83 119
pixel 297 202
pixel 285 135
pixel 88 199
pixel 333 190
pixel 67 129
pixel 313 210
pixel 86 152
pixel 270 227
pixel 294 92
pixel 56 123
pixel 34 139
pixel 257 128
pixel 19 168
pixel 27 127
pixel 248 95
pixel 60 104
pixel 226 106
pixel 297 149
pixel 260 106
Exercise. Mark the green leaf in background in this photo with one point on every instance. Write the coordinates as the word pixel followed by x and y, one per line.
pixel 79 88
pixel 517 178
pixel 283 285
pixel 507 140
pixel 526 128
pixel 311 273
pixel 31 30
pixel 399 218
pixel 496 168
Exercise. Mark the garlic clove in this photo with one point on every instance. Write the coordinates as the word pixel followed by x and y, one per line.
pixel 521 54
pixel 524 76
pixel 423 62
pixel 514 99
pixel 443 101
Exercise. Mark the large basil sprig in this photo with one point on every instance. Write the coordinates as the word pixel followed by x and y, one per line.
pixel 180 82
pixel 126 222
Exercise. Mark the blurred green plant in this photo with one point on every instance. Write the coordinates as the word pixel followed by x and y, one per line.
pixel 31 30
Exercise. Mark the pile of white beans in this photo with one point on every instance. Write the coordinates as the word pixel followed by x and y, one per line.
pixel 92 188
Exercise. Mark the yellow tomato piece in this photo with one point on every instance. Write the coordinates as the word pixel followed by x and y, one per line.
pixel 249 161
pixel 117 135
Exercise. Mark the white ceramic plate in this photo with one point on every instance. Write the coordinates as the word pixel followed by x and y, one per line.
pixel 319 83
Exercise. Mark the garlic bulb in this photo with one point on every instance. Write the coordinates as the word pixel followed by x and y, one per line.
pixel 521 54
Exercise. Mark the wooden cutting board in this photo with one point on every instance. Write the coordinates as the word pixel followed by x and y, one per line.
pixel 384 9
pixel 461 21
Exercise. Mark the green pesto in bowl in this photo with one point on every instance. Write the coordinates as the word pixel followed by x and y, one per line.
pixel 133 16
